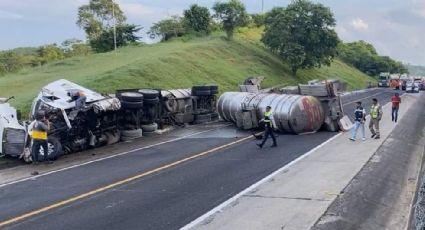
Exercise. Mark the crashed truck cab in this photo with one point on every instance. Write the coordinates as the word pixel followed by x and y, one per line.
pixel 74 130
pixel 12 132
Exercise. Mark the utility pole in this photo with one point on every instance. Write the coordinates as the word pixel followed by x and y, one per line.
pixel 262 6
pixel 115 26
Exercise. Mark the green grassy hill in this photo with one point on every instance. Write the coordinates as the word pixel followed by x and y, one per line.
pixel 177 64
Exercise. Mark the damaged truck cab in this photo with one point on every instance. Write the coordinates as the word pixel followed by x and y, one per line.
pixel 72 129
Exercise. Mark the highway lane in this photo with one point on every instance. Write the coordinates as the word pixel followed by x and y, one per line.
pixel 164 199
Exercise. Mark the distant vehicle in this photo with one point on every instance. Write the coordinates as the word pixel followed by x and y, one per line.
pixel 412 87
pixel 420 81
pixel 403 81
pixel 395 81
pixel 384 80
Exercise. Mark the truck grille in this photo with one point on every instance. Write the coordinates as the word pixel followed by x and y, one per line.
pixel 15 142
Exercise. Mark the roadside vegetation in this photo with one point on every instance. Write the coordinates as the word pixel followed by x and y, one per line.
pixel 222 45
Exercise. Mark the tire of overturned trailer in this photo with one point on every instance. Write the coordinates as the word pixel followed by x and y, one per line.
pixel 149 127
pixel 127 135
pixel 132 105
pixel 201 93
pixel 152 101
pixel 131 97
pixel 149 93
pixel 202 118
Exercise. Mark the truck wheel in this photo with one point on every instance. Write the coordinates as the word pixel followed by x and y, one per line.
pixel 149 134
pixel 135 133
pixel 149 93
pixel 150 127
pixel 202 118
pixel 201 92
pixel 132 105
pixel 131 97
pixel 54 149
pixel 214 89
pixel 152 101
pixel 200 87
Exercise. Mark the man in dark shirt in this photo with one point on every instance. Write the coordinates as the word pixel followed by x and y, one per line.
pixel 395 100
pixel 359 120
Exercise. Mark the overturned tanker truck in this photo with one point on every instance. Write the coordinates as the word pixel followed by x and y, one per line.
pixel 104 120
pixel 299 109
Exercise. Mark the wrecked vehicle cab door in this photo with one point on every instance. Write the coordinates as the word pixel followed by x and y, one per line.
pixel 12 133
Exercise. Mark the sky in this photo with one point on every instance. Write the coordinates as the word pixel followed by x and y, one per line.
pixel 395 27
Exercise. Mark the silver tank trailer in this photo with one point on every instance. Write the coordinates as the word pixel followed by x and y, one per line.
pixel 292 113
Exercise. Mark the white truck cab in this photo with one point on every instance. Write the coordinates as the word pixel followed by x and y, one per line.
pixel 12 132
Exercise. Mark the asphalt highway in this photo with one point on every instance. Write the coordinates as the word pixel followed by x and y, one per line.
pixel 162 187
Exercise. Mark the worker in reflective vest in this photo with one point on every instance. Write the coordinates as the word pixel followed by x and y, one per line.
pixel 39 137
pixel 79 97
pixel 270 125
pixel 375 118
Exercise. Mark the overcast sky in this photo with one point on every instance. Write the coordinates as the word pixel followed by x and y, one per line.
pixel 395 27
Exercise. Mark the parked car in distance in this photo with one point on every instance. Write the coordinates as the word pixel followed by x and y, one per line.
pixel 412 87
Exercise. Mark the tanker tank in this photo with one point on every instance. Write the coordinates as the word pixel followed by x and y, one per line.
pixel 292 113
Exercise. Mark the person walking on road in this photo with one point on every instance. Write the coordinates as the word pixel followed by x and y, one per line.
pixel 359 120
pixel 395 100
pixel 375 118
pixel 39 137
pixel 270 125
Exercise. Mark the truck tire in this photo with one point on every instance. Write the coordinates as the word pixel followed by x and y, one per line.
pixel 201 92
pixel 214 116
pixel 152 101
pixel 149 127
pixel 127 135
pixel 132 105
pixel 214 89
pixel 149 134
pixel 200 87
pixel 131 97
pixel 214 92
pixel 149 93
pixel 202 118
pixel 54 149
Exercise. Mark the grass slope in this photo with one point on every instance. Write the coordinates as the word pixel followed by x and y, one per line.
pixel 175 64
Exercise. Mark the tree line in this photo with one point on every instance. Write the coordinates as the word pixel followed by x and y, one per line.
pixel 17 59
pixel 302 34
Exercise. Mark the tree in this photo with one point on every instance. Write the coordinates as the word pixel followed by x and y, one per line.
pixel 75 47
pixel 302 34
pixel 232 14
pixel 99 15
pixel 11 62
pixel 126 35
pixel 168 28
pixel 364 57
pixel 51 53
pixel 258 19
pixel 198 19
